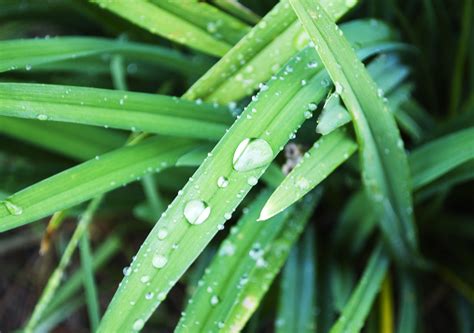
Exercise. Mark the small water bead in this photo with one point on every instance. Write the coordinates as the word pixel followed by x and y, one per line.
pixel 339 88
pixel 252 181
pixel 312 106
pixel 214 300
pixel 42 117
pixel 249 302
pixel 252 154
pixel 196 211
pixel 149 295
pixel 302 184
pixel 161 296
pixel 308 114
pixel 312 64
pixel 12 208
pixel 138 324
pixel 28 67
pixel 162 234
pixel 144 279
pixel 227 216
pixel 159 261
pixel 126 271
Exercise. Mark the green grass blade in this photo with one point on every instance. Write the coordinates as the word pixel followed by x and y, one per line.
pixel 437 157
pixel 408 307
pixel 125 110
pixel 384 163
pixel 89 179
pixel 79 142
pixel 238 10
pixel 268 46
pixel 55 278
pixel 92 299
pixel 161 22
pixel 262 130
pixel 28 53
pixel 208 18
pixel 296 307
pixel 357 308
pixel 251 256
pixel 320 161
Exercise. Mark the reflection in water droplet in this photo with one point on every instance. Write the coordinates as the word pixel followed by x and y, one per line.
pixel 222 182
pixel 214 300
pixel 138 324
pixel 252 154
pixel 12 208
pixel 196 211
pixel 159 261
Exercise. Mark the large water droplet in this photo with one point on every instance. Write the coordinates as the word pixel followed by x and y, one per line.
pixel 12 208
pixel 159 261
pixel 162 234
pixel 222 182
pixel 138 324
pixel 196 211
pixel 252 154
pixel 214 300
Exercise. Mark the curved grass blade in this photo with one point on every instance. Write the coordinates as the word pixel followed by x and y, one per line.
pixel 89 179
pixel 161 22
pixel 100 107
pixel 235 8
pixel 55 278
pixel 215 22
pixel 268 46
pixel 384 164
pixel 28 53
pixel 357 308
pixel 437 157
pixel 240 158
pixel 76 141
pixel 251 256
pixel 297 302
pixel 320 161
pixel 332 116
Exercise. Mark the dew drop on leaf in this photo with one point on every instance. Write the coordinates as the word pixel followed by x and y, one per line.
pixel 222 182
pixel 159 261
pixel 138 324
pixel 12 208
pixel 252 154
pixel 196 211
pixel 214 300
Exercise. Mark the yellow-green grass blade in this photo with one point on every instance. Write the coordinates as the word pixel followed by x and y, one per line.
pixel 297 298
pixel 89 179
pixel 208 18
pixel 360 302
pixel 250 256
pixel 240 158
pixel 383 160
pixel 79 142
pixel 320 161
pixel 26 54
pixel 56 277
pixel 163 23
pixel 108 108
pixel 268 46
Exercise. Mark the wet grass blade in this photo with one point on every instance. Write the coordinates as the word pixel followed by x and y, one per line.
pixel 217 187
pixel 267 47
pixel 124 110
pixel 238 10
pixel 320 161
pixel 89 179
pixel 75 141
pixel 26 54
pixel 297 300
pixel 357 308
pixel 161 22
pixel 383 161
pixel 251 255
pixel 55 278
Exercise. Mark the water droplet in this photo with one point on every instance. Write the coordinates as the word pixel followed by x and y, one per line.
pixel 339 88
pixel 227 216
pixel 214 300
pixel 252 154
pixel 138 324
pixel 12 208
pixel 159 261
pixel 161 296
pixel 196 211
pixel 312 64
pixel 149 295
pixel 126 271
pixel 162 233
pixel 308 114
pixel 312 106
pixel 252 181
pixel 42 117
pixel 222 182
pixel 145 279
pixel 28 67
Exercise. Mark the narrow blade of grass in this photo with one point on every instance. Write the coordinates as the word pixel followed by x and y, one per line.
pixel 297 299
pixel 28 53
pixel 100 107
pixel 238 10
pixel 408 307
pixel 240 158
pixel 55 278
pixel 356 310
pixel 383 160
pixel 386 306
pixel 320 161
pixel 89 179
pixel 92 299
pixel 161 22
